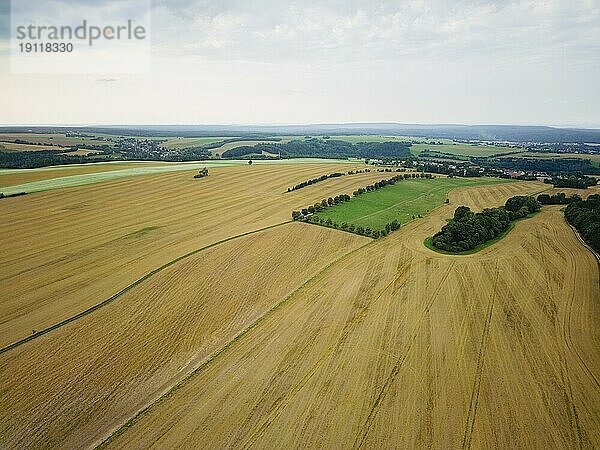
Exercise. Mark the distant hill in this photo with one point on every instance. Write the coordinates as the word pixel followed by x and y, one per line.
pixel 464 132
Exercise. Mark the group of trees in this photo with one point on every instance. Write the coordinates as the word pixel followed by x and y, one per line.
pixel 553 165
pixel 317 180
pixel 248 137
pixel 309 214
pixel 557 199
pixel 584 215
pixel 576 181
pixel 305 213
pixel 188 154
pixel 325 148
pixel 467 229
pixel 42 158
pixel 390 181
pixel 202 173
pixel 351 228
pixel 17 194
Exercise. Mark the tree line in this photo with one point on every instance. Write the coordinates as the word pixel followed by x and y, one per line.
pixel 321 178
pixel 309 214
pixel 466 230
pixel 584 215
pixel 16 194
pixel 249 137
pixel 325 148
pixel 379 184
pixel 554 165
pixel 351 228
pixel 557 199
pixel 42 158
pixel 576 181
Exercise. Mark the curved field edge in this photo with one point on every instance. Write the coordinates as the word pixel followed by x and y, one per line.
pixel 429 244
pixel 354 355
pixel 68 261
pixel 173 389
pixel 123 291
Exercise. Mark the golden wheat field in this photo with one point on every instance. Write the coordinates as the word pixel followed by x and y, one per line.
pixel 8 178
pixel 67 250
pixel 243 330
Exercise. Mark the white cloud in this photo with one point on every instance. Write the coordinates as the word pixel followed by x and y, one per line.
pixel 289 61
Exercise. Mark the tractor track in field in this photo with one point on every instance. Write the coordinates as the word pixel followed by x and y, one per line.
pixel 127 288
pixel 103 443
pixel 358 316
pixel 568 335
pixel 472 412
pixel 399 362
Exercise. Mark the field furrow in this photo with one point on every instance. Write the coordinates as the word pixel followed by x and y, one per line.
pixel 68 250
pixel 72 386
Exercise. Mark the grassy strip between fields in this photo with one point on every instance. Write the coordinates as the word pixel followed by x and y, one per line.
pixel 428 241
pixel 126 289
pixel 172 390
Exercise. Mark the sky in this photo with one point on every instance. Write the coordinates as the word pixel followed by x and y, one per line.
pixel 330 61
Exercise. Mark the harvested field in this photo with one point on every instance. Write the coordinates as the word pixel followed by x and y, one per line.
pixel 82 152
pixel 135 168
pixel 10 177
pixel 133 349
pixel 293 336
pixel 396 346
pixel 67 250
pixel 12 147
pixel 57 138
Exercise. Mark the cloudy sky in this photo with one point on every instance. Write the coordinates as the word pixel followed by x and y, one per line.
pixel 332 61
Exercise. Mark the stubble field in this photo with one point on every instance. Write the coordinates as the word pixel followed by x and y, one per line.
pixel 293 336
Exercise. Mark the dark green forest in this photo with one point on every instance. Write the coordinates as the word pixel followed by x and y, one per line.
pixel 325 148
pixel 554 165
pixel 584 215
pixel 466 230
pixel 572 181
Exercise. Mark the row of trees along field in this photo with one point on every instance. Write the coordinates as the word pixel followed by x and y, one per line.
pixel 467 229
pixel 18 194
pixel 584 215
pixel 325 148
pixel 325 177
pixel 309 214
pixel 572 181
pixel 558 199
pixel 341 174
pixel 42 158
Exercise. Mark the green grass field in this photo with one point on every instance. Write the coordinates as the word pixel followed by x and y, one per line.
pixel 400 201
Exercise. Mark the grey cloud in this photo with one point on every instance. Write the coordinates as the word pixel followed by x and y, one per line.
pixel 272 31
